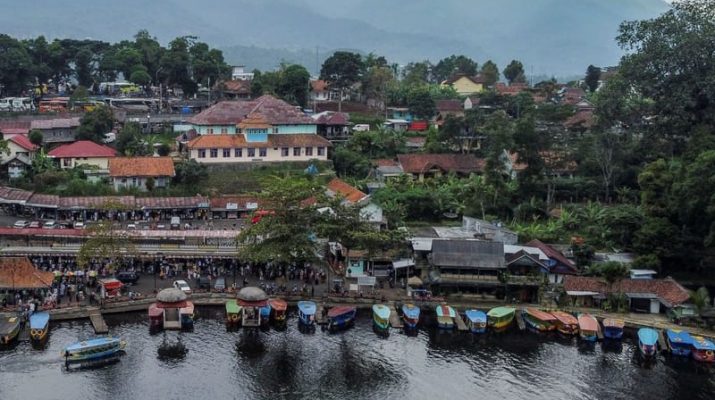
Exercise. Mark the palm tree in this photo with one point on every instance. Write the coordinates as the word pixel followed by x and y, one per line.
pixel 700 299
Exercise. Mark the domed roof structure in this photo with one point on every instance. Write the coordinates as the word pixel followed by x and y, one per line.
pixel 252 294
pixel 171 295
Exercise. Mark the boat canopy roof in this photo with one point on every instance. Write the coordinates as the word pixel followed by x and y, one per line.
pixel 587 322
pixel 232 307
pixel 340 310
pixel 7 325
pixel 278 304
pixel 381 310
pixel 565 318
pixel 614 323
pixel 155 311
pixel 411 310
pixel 39 320
pixel 648 336
pixel 540 315
pixel 307 307
pixel 700 343
pixel 476 315
pixel 678 336
pixel 500 312
pixel 91 343
pixel 446 311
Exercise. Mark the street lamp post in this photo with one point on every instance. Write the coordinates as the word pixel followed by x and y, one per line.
pixel 161 97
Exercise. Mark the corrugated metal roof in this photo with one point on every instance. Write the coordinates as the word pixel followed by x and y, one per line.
pixel 467 253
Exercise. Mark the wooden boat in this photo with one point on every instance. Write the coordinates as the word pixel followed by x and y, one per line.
pixel 93 349
pixel 381 316
pixel 647 342
pixel 9 329
pixel 39 326
pixel 306 312
pixel 566 323
pixel 186 314
pixel 156 317
pixel 680 343
pixel 613 328
pixel 445 316
pixel 703 350
pixel 233 313
pixel 588 327
pixel 341 317
pixel 278 309
pixel 410 315
pixel 500 317
pixel 476 321
pixel 538 320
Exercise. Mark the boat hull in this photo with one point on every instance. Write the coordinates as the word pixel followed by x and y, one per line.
pixel 588 337
pixel 501 321
pixel 536 324
pixel 707 356
pixel 410 323
pixel 79 355
pixel 477 327
pixel 306 313
pixel 647 350
pixel 340 322
pixel 647 342
pixel 11 328
pixel 380 323
pixel 39 335
pixel 612 333
pixel 410 316
pixel 446 323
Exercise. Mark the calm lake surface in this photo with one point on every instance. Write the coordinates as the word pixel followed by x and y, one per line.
pixel 356 364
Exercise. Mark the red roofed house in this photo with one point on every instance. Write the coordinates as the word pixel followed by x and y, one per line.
pixel 644 295
pixel 133 172
pixel 350 195
pixel 235 89
pixel 557 264
pixel 83 152
pixel 21 154
pixel 422 166
pixel 319 90
pixel 334 126
pixel 448 107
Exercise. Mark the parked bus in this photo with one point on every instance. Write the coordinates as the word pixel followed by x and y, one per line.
pixel 55 104
pixel 118 88
pixel 133 104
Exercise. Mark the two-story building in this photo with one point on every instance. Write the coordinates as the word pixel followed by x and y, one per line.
pixel 19 157
pixel 334 126
pixel 135 172
pixel 83 152
pixel 465 85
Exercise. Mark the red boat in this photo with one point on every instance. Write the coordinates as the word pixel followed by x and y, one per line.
pixel 703 349
pixel 566 323
pixel 341 317
pixel 278 309
pixel 156 317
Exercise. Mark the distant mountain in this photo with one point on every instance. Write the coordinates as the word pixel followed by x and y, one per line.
pixel 558 37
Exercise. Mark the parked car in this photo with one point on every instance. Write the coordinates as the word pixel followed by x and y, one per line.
pixel 183 286
pixel 175 223
pixel 127 277
pixel 34 224
pixel 204 282
pixel 131 227
pixel 51 224
pixel 78 225
pixel 20 224
pixel 220 284
pixel 161 227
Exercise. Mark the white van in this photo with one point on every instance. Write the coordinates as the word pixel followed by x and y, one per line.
pixel 361 127
pixel 175 223
pixel 22 104
pixel 6 104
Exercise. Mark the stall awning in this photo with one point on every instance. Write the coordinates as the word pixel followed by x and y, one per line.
pixel 111 284
pixel 403 263
pixel 581 293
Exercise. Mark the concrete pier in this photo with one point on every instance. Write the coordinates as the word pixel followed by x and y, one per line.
pixel 459 321
pixel 395 320
pixel 520 320
pixel 95 316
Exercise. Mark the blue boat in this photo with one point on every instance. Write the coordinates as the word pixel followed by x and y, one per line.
pixel 341 317
pixel 93 349
pixel 613 328
pixel 381 316
pixel 186 315
pixel 39 326
pixel 411 315
pixel 266 314
pixel 306 312
pixel 679 342
pixel 647 342
pixel 476 321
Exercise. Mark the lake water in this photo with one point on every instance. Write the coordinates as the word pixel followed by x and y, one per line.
pixel 356 364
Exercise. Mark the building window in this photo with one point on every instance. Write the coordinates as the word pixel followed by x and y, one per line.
pixel 224 130
pixel 284 152
pixel 275 130
pixel 202 153
pixel 214 153
pixel 134 181
pixel 262 152
pixel 238 153
pixel 321 151
pixel 210 131
pixel 226 153
pixel 251 152
pixel 296 151
pixel 309 151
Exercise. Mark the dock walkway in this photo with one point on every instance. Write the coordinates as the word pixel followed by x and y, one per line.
pixel 519 317
pixel 395 320
pixel 459 321
pixel 95 316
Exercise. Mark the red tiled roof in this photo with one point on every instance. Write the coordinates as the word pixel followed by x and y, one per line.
pixel 96 202
pixel 82 148
pixel 331 118
pixel 72 122
pixel 667 290
pixel 12 195
pixel 275 112
pixel 217 142
pixel 385 162
pixel 461 163
pixel 13 127
pixel 44 200
pixel 551 253
pixel 583 118
pixel 19 273
pixel 171 202
pixel 274 140
pixel 24 142
pixel 319 85
pixel 510 90
pixel 349 193
pixel 449 105
pixel 298 140
pixel 141 166
pixel 237 86
pixel 240 200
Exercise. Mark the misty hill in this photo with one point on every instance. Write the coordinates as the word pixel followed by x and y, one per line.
pixel 551 36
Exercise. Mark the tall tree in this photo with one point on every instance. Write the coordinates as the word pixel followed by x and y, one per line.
pixel 294 85
pixel 341 70
pixel 593 75
pixel 417 73
pixel 490 73
pixel 514 72
pixel 15 66
pixel 452 65
pixel 420 102
pixel 95 124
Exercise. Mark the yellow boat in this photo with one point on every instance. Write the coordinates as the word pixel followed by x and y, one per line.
pixel 500 317
pixel 39 326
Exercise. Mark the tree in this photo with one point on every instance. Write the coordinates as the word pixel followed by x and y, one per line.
pixel 593 75
pixel 15 66
pixel 420 103
pixel 666 64
pixel 190 173
pixel 700 299
pixel 130 141
pixel 341 71
pixel 349 163
pixel 80 93
pixel 490 73
pixel 150 184
pixel 285 234
pixel 35 137
pixel 105 241
pixel 452 65
pixel 163 150
pixel 294 85
pixel 514 72
pixel 416 73
pixel 140 76
pixel 95 124
pixel 176 65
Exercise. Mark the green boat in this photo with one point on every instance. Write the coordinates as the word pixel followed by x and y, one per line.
pixel 233 313
pixel 500 317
